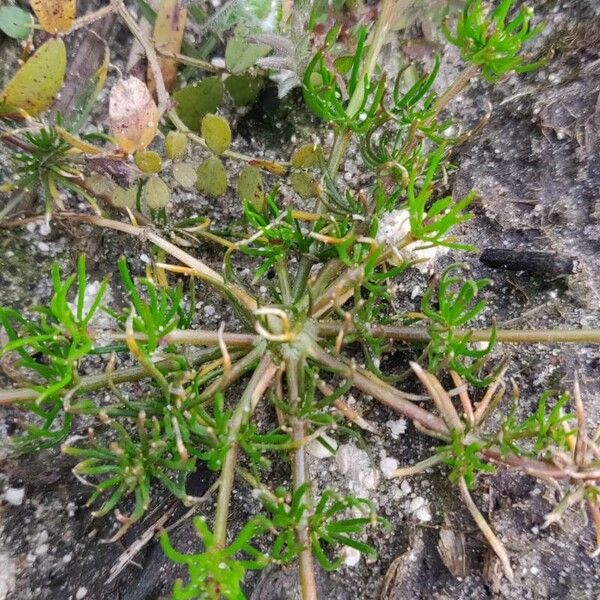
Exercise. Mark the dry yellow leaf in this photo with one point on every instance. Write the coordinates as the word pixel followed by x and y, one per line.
pixel 168 35
pixel 55 16
pixel 132 114
pixel 78 143
pixel 36 84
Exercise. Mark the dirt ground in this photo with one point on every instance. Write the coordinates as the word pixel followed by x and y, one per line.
pixel 536 168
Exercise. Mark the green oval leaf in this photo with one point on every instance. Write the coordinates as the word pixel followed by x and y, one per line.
pixel 197 100
pixel 36 84
pixel 240 55
pixel 147 161
pixel 250 187
pixel 185 174
pixel 244 89
pixel 216 132
pixel 156 193
pixel 212 177
pixel 175 144
pixel 15 22
pixel 306 156
pixel 124 197
pixel 303 185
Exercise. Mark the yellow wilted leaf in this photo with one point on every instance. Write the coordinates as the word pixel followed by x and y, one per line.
pixel 78 143
pixel 55 16
pixel 36 84
pixel 132 114
pixel 168 35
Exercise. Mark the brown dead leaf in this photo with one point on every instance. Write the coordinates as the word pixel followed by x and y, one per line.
pixel 168 35
pixel 132 114
pixel 55 16
pixel 402 579
pixel 452 550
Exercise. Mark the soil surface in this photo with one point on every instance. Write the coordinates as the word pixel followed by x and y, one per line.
pixel 536 168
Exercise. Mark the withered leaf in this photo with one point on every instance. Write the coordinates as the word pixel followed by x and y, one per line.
pixel 168 34
pixel 36 84
pixel 132 114
pixel 55 16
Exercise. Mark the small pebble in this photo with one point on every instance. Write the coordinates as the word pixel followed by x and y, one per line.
pixel 388 465
pixel 318 450
pixel 397 427
pixel 14 496
pixel 351 556
pixel 81 593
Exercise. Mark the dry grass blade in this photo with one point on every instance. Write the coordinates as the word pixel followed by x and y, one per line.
pixel 440 397
pixel 489 535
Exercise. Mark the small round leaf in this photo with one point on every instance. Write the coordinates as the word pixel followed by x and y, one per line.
pixel 250 187
pixel 216 132
pixel 176 144
pixel 101 185
pixel 306 156
pixel 148 161
pixel 132 114
pixel 244 89
pixel 303 185
pixel 55 16
pixel 156 193
pixel 185 174
pixel 124 197
pixel 194 101
pixel 212 177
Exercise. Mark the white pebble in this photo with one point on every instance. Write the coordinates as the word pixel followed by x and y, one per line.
pixel 420 509
pixel 397 427
pixel 388 465
pixel 81 593
pixel 318 450
pixel 351 556
pixel 14 496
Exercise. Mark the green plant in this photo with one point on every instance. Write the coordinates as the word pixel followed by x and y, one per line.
pixel 321 278
pixel 488 41
pixel 455 306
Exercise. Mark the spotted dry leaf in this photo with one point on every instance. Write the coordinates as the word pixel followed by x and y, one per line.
pixel 37 83
pixel 452 550
pixel 132 114
pixel 55 16
pixel 168 35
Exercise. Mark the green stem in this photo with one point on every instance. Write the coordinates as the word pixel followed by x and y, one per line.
pixel 284 282
pixel 419 467
pixel 90 383
pixel 308 585
pixel 257 385
pixel 386 394
pixel 455 88
pixel 507 336
pixel 201 337
pixel 343 136
pixel 238 370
